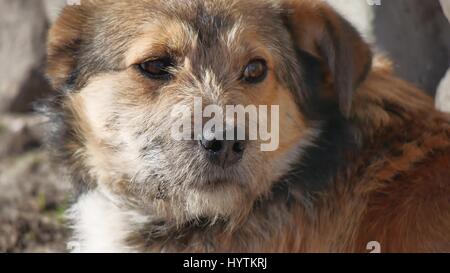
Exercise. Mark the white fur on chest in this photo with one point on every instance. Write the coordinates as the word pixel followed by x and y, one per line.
pixel 101 226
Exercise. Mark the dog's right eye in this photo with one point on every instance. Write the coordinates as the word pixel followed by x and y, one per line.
pixel 158 69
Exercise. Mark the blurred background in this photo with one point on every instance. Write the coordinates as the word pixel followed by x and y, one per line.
pixel 34 194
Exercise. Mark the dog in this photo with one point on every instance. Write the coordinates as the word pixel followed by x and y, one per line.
pixel 362 155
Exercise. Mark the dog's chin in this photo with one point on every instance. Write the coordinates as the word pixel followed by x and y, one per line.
pixel 217 199
pixel 222 192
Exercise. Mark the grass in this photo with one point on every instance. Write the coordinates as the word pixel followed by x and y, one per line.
pixel 54 212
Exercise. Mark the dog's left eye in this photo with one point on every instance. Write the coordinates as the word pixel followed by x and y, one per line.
pixel 255 71
pixel 158 69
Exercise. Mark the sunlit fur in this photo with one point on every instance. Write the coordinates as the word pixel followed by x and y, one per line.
pixel 363 156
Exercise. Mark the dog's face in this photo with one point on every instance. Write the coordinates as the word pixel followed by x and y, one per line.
pixel 126 65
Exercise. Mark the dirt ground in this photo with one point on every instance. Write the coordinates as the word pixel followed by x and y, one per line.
pixel 33 193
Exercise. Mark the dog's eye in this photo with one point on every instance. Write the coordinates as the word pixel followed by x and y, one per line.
pixel 158 69
pixel 255 71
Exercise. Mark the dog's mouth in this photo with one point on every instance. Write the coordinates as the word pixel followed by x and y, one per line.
pixel 215 182
pixel 213 177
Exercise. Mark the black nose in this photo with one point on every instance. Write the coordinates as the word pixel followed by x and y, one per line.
pixel 224 152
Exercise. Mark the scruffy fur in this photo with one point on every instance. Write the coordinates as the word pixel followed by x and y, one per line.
pixel 363 155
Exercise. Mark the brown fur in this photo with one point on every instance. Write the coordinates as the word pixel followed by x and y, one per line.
pixel 390 180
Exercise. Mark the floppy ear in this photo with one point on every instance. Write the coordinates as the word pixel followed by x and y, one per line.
pixel 321 32
pixel 64 41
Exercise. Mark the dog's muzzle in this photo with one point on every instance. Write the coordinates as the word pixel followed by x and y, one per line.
pixel 224 153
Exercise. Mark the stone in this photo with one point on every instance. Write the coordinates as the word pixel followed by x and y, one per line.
pixel 416 35
pixel 22 51
pixel 53 7
pixel 443 94
pixel 446 7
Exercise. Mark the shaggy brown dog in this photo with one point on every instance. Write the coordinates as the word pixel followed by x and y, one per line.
pixel 362 155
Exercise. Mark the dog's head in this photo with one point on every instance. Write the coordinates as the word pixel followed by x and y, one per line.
pixel 123 67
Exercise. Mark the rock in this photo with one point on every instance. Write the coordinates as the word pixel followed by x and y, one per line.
pixel 446 7
pixel 20 134
pixel 416 35
pixel 53 8
pixel 413 33
pixel 22 51
pixel 443 94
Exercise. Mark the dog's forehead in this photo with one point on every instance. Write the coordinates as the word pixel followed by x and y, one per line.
pixel 201 14
pixel 123 33
pixel 207 17
pixel 216 28
pixel 213 12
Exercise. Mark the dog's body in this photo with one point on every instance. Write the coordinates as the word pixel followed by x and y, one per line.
pixel 363 155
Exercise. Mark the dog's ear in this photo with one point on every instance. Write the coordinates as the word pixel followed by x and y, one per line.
pixel 321 32
pixel 64 41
